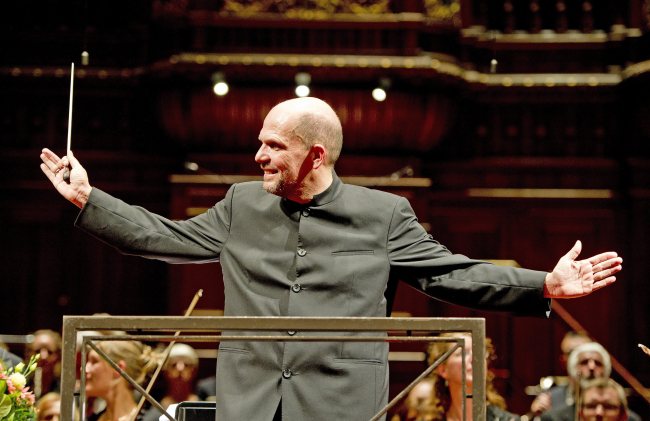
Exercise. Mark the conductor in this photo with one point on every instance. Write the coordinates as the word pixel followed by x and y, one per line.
pixel 303 243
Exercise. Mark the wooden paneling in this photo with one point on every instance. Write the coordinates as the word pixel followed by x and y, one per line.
pixel 201 121
pixel 535 234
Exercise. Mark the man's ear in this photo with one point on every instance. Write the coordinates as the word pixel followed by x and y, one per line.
pixel 318 155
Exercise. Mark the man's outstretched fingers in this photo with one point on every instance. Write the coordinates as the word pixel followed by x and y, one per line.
pixel 602 284
pixel 603 257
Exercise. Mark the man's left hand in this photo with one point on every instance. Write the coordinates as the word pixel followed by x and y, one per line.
pixel 573 278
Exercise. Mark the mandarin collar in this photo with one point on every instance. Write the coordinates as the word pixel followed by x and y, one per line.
pixel 320 199
pixel 329 194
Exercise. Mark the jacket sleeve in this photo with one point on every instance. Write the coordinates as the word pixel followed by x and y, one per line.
pixel 427 265
pixel 134 230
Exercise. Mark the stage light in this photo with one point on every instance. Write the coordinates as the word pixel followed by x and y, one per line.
pixel 302 91
pixel 493 65
pixel 302 84
pixel 191 166
pixel 219 85
pixel 380 93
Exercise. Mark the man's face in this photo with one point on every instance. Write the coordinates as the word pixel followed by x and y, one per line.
pixel 179 369
pixel 568 344
pixel 590 365
pixel 282 157
pixel 46 347
pixel 601 404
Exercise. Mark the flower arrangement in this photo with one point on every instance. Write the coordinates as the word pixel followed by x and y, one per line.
pixel 16 400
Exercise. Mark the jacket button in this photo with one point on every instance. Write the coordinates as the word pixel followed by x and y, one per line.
pixel 296 288
pixel 286 373
pixel 305 212
pixel 291 332
pixel 302 252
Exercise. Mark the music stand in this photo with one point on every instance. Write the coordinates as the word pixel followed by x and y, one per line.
pixel 196 411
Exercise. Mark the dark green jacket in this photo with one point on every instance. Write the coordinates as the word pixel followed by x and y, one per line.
pixel 340 255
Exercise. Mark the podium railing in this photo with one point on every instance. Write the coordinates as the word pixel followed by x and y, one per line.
pixel 154 328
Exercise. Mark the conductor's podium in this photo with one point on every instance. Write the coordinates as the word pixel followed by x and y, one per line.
pixel 93 329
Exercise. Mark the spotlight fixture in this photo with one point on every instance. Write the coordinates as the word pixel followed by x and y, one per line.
pixel 302 84
pixel 493 65
pixel 379 93
pixel 219 85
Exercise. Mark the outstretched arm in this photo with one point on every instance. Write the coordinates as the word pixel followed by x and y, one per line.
pixel 78 189
pixel 573 278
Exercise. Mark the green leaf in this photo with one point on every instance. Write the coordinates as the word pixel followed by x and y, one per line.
pixel 5 406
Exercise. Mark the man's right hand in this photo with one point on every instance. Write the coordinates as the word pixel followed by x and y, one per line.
pixel 542 403
pixel 78 188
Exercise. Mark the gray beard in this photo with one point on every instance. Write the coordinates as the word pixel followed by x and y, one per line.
pixel 279 188
pixel 283 187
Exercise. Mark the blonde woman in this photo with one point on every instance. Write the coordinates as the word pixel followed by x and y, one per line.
pixel 102 381
pixel 448 380
pixel 48 407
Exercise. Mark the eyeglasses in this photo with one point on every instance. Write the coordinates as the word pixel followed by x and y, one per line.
pixel 607 407
pixel 586 361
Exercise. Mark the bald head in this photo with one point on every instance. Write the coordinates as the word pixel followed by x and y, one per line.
pixel 313 121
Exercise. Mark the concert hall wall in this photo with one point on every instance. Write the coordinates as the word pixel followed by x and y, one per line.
pixel 528 121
